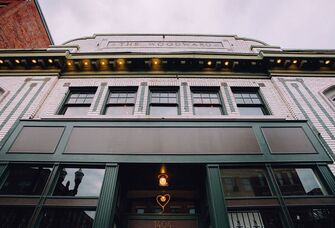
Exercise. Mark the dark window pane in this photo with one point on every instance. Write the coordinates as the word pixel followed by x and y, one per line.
pixel 313 217
pixel 79 182
pixel 66 217
pixel 244 182
pixel 25 180
pixel 207 110
pixel 260 218
pixel 160 140
pixel 298 182
pixel 164 110
pixel 288 140
pixel 120 110
pixel 76 110
pixel 48 138
pixel 14 217
pixel 245 111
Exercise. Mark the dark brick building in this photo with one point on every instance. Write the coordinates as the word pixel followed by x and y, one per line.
pixel 22 25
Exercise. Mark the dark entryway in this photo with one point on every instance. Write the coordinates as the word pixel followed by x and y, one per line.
pixel 140 194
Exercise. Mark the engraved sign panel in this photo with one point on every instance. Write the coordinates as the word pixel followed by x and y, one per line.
pixel 167 44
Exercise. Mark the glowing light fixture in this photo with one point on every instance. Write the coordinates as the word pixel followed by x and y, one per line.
pixel 17 61
pixel 295 61
pixel 278 61
pixel 69 63
pixel 226 63
pixel 86 63
pixel 209 63
pixel 34 61
pixel 50 60
pixel 162 177
pixel 1 61
pixel 120 62
pixel 327 62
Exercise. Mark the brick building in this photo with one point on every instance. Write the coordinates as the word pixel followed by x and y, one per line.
pixel 166 131
pixel 22 25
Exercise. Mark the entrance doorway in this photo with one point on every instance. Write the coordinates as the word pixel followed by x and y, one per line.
pixel 162 196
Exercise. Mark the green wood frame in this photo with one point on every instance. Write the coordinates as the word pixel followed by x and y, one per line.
pixel 321 154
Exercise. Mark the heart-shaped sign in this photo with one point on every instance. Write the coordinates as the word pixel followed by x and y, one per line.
pixel 163 200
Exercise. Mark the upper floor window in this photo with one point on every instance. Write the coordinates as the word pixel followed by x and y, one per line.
pixel 121 101
pixel 206 101
pixel 249 102
pixel 164 101
pixel 78 101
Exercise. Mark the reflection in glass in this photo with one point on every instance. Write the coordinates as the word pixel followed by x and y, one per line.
pixel 74 218
pixel 244 182
pixel 15 217
pixel 259 218
pixel 25 180
pixel 79 182
pixel 298 182
pixel 313 217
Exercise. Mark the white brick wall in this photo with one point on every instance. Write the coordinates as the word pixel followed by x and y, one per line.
pixel 24 103
pixel 318 118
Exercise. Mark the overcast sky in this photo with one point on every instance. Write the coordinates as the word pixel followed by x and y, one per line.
pixel 308 24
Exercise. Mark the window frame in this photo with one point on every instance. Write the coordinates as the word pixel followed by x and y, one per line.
pixel 120 90
pixel 207 90
pixel 76 90
pixel 250 90
pixel 163 89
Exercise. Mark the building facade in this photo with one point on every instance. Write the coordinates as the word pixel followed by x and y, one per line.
pixel 167 131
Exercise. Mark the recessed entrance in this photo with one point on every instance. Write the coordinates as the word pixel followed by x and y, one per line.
pixel 170 198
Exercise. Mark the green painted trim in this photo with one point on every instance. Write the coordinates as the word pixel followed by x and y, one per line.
pixel 185 86
pixel 328 177
pixel 59 156
pixel 286 218
pixel 316 101
pixel 142 94
pixel 37 214
pixel 283 81
pixel 331 134
pixel 97 101
pixel 107 202
pixel 217 207
pixel 18 104
pixel 3 168
pixel 10 101
pixel 229 99
pixel 263 145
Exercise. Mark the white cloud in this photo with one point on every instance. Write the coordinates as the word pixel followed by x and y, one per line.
pixel 297 24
